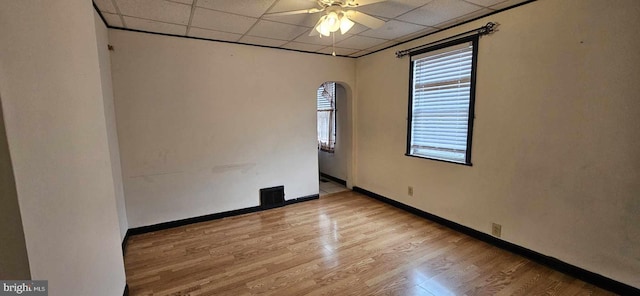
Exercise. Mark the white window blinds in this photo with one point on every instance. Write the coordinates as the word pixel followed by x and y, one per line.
pixel 326 104
pixel 440 107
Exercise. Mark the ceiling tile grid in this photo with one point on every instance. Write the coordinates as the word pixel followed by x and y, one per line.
pixel 253 22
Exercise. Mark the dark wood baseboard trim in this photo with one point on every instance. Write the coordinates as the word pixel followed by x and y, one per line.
pixel 334 179
pixel 124 242
pixel 187 221
pixel 572 270
pixel 126 290
pixel 302 199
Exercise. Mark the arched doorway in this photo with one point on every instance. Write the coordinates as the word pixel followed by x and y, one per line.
pixel 334 136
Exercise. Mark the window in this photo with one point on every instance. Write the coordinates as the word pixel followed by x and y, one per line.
pixel 441 101
pixel 326 98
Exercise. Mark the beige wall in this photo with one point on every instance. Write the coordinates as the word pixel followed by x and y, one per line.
pixel 555 143
pixel 204 125
pixel 55 122
pixel 336 164
pixel 14 262
pixel 110 116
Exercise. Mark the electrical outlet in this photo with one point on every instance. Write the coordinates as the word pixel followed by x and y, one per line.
pixel 496 229
pixel 410 190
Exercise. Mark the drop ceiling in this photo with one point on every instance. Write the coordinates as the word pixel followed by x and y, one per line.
pixel 244 21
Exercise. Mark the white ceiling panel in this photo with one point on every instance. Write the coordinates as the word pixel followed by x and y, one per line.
pixel 304 20
pixel 303 46
pixel 254 8
pixel 469 16
pixel 105 6
pixel 215 35
pixel 220 21
pixel 153 26
pixel 157 10
pixel 269 29
pixel 439 11
pixel 248 21
pixel 391 9
pixel 189 2
pixel 417 34
pixel 360 42
pixel 506 4
pixel 287 5
pixel 393 29
pixel 485 3
pixel 112 19
pixel 262 41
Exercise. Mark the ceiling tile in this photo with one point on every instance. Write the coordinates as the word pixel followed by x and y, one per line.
pixel 393 29
pixel 303 46
pixel 339 50
pixel 112 19
pixel 381 46
pixel 262 41
pixel 254 8
pixel 275 30
pixel 157 10
pixel 475 14
pixel 306 20
pixel 439 11
pixel 305 38
pixel 357 29
pixel 220 21
pixel 153 26
pixel 417 34
pixel 287 5
pixel 506 4
pixel 391 9
pixel 189 2
pixel 360 42
pixel 485 3
pixel 359 53
pixel 215 35
pixel 105 6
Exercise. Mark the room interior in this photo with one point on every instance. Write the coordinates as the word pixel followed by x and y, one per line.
pixel 112 130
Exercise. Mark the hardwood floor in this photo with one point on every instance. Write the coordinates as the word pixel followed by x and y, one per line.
pixel 341 244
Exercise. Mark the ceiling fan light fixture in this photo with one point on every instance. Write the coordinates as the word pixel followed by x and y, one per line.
pixel 345 24
pixel 321 28
pixel 331 22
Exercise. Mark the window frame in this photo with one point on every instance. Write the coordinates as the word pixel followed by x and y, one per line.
pixel 472 95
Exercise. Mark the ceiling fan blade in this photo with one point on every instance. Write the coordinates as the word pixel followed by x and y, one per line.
pixel 358 3
pixel 301 11
pixel 315 32
pixel 365 19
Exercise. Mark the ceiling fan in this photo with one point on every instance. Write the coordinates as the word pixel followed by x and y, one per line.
pixel 338 15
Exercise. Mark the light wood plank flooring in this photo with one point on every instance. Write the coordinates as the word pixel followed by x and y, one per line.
pixel 341 244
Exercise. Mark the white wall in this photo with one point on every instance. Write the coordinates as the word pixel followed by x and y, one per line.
pixel 109 113
pixel 55 121
pixel 335 164
pixel 204 125
pixel 555 142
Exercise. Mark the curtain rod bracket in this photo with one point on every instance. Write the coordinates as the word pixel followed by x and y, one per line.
pixel 487 29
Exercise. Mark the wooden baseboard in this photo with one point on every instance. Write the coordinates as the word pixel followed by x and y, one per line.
pixel 182 222
pixel 572 270
pixel 334 179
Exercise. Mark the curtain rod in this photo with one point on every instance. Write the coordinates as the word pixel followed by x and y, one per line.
pixel 489 28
